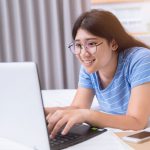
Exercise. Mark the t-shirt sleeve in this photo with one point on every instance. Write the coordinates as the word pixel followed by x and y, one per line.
pixel 140 69
pixel 84 79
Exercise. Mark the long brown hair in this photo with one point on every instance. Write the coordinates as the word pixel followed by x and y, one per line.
pixel 106 25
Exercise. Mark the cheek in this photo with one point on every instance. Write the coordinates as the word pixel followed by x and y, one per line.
pixel 78 57
pixel 104 58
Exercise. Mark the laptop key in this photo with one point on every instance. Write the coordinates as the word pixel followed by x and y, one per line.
pixel 64 141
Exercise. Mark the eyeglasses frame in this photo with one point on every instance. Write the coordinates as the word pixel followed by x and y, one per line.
pixel 72 43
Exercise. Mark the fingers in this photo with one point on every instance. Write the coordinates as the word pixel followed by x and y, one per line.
pixel 47 117
pixel 58 127
pixel 61 123
pixel 52 119
pixel 67 128
pixel 48 110
pixel 62 118
pixel 58 120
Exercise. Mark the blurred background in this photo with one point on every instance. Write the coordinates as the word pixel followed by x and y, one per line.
pixel 40 31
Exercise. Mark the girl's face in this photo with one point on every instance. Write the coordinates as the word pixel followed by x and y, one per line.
pixel 104 55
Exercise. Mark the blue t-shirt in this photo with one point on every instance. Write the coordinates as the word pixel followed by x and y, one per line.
pixel 133 69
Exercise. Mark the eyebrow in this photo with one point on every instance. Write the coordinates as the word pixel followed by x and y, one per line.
pixel 86 39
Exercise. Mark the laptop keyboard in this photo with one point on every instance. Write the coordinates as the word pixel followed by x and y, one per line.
pixel 64 141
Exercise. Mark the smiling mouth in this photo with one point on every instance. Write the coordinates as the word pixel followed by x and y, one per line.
pixel 88 62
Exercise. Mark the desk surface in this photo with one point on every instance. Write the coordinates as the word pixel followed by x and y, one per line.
pixel 137 146
pixel 64 97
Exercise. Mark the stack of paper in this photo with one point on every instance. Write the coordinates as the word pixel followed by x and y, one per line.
pixel 6 144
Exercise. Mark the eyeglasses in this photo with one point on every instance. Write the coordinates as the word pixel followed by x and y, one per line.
pixel 90 47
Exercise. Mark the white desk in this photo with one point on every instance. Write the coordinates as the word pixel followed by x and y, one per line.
pixel 53 98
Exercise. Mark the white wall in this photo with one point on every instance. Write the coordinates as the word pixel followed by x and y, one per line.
pixel 135 17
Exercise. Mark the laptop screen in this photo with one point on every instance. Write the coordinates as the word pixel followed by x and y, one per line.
pixel 21 109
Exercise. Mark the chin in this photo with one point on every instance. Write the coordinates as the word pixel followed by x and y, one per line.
pixel 90 70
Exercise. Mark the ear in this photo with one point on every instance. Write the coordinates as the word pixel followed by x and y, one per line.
pixel 114 45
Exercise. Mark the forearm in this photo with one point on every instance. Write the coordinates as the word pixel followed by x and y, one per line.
pixel 124 122
pixel 51 110
pixel 67 107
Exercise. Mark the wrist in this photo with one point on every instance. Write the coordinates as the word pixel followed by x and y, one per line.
pixel 86 115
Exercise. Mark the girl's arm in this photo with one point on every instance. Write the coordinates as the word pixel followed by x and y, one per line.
pixel 137 114
pixel 136 117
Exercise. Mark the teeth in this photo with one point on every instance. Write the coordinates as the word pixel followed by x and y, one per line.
pixel 88 61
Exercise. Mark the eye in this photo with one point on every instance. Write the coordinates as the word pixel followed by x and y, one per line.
pixel 91 44
pixel 78 45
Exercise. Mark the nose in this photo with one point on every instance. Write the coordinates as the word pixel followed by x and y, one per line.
pixel 84 52
pixel 83 49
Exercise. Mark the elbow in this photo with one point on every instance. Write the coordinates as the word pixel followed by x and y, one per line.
pixel 138 127
pixel 135 123
pixel 139 124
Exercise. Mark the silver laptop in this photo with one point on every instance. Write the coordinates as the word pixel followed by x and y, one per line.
pixel 22 116
pixel 21 110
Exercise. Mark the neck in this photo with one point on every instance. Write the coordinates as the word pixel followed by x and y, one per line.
pixel 106 75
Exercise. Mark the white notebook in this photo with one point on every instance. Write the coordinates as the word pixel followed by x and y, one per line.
pixel 7 144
